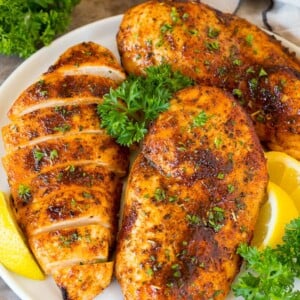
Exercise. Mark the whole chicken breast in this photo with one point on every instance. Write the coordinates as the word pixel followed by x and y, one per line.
pixel 65 173
pixel 193 196
pixel 222 50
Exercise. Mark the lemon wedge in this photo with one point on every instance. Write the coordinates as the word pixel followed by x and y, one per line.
pixel 276 212
pixel 14 253
pixel 284 170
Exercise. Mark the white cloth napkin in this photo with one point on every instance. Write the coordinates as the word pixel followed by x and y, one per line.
pixel 284 19
pixel 279 16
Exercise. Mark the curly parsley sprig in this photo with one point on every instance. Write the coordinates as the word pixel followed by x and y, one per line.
pixel 270 273
pixel 127 110
pixel 27 25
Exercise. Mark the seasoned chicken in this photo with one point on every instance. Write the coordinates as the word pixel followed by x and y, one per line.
pixel 50 121
pixel 66 151
pixel 79 244
pixel 193 195
pixel 83 281
pixel 221 50
pixel 65 173
pixel 57 90
pixel 272 99
pixel 70 208
pixel 88 59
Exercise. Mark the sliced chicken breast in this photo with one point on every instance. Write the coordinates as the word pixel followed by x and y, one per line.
pixel 89 58
pixel 77 245
pixel 83 281
pixel 65 173
pixel 65 152
pixel 85 176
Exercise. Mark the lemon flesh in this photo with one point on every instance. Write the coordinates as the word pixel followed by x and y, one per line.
pixel 14 253
pixel 276 212
pixel 284 170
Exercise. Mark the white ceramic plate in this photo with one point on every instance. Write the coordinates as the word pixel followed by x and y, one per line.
pixel 104 33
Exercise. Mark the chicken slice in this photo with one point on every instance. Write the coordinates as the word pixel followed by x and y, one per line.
pixel 70 208
pixel 65 173
pixel 56 90
pixel 88 58
pixel 78 245
pixel 83 281
pixel 86 177
pixel 49 123
pixel 67 152
pixel 193 195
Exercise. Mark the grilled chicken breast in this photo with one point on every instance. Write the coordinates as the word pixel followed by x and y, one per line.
pixel 65 173
pixel 221 50
pixel 193 195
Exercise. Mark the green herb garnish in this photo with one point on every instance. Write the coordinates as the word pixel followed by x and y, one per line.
pixel 62 128
pixel 53 154
pixel 212 32
pixel 249 39
pixel 24 192
pixel 270 273
pixel 38 155
pixel 212 46
pixel 159 194
pixel 216 217
pixel 27 25
pixel 201 119
pixel 193 219
pixel 127 110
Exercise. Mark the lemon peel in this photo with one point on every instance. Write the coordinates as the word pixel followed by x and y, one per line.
pixel 276 212
pixel 14 253
pixel 284 170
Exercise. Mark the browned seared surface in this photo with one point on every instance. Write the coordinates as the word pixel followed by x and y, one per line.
pixel 221 50
pixel 79 244
pixel 83 281
pixel 57 90
pixel 193 196
pixel 70 207
pixel 88 58
pixel 272 100
pixel 65 151
pixel 89 176
pixel 65 173
pixel 49 121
